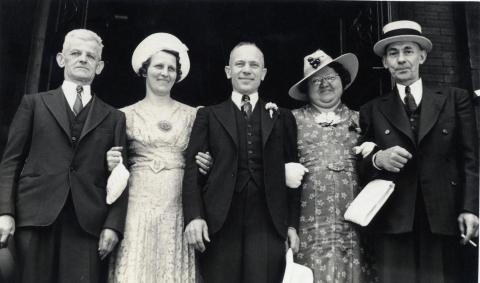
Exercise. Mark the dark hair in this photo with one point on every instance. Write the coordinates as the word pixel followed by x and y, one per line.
pixel 143 69
pixel 339 69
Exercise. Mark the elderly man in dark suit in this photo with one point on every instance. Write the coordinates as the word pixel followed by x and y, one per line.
pixel 240 216
pixel 427 145
pixel 53 174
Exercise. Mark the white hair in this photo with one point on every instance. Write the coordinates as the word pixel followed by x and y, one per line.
pixel 83 34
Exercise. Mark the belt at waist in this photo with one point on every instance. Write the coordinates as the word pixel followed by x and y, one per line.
pixel 157 165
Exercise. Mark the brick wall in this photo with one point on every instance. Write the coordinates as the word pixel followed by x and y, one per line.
pixel 445 64
pixel 473 31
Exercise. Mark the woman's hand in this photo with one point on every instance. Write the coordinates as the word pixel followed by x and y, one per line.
pixel 204 162
pixel 293 239
pixel 364 149
pixel 114 156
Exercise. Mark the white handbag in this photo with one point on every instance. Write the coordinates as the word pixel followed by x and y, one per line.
pixel 369 201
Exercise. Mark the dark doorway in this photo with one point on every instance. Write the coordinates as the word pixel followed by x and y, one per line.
pixel 285 31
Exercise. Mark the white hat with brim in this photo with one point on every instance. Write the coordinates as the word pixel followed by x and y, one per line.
pixel 318 60
pixel 401 31
pixel 156 42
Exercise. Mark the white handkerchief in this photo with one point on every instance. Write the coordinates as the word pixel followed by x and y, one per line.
pixel 293 174
pixel 117 182
pixel 369 201
pixel 296 273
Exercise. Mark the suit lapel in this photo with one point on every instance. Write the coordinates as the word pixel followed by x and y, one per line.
pixel 55 103
pixel 266 122
pixel 431 105
pixel 392 108
pixel 226 117
pixel 98 112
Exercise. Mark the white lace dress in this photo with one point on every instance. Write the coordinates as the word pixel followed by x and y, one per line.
pixel 154 249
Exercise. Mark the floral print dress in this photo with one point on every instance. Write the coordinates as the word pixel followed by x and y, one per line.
pixel 329 245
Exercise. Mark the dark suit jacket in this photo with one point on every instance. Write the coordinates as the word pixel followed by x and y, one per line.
pixel 41 165
pixel 215 130
pixel 444 164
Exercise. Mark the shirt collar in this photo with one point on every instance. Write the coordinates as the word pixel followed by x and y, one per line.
pixel 70 90
pixel 416 89
pixel 237 99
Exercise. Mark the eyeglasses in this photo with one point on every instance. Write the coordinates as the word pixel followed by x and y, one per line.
pixel 328 79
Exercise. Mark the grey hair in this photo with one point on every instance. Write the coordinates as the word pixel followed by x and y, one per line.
pixel 83 34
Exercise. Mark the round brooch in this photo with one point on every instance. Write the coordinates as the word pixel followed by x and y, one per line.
pixel 164 125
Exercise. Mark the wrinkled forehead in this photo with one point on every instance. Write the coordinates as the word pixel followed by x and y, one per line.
pixel 402 45
pixel 247 53
pixel 82 44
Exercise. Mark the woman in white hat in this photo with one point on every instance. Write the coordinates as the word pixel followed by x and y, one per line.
pixel 158 128
pixel 327 133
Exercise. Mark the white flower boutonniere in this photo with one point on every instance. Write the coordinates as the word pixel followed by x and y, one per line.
pixel 271 107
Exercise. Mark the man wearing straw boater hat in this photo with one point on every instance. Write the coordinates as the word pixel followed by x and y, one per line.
pixel 426 144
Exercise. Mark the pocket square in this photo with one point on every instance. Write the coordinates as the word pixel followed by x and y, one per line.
pixel 117 182
pixel 369 201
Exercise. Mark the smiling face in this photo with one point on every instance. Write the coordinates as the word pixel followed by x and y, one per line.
pixel 246 69
pixel 81 60
pixel 403 60
pixel 325 88
pixel 161 73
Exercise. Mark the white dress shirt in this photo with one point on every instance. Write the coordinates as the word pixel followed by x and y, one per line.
pixel 416 89
pixel 237 99
pixel 70 91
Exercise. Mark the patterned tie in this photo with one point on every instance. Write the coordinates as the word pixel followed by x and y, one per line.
pixel 246 106
pixel 78 105
pixel 409 100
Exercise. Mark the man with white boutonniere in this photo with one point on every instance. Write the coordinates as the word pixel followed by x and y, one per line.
pixel 241 216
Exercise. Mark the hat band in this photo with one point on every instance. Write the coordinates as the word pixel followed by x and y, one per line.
pixel 403 31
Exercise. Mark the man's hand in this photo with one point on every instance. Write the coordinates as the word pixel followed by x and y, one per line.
pixel 114 156
pixel 195 232
pixel 108 241
pixel 204 162
pixel 468 225
pixel 293 174
pixel 293 239
pixel 364 149
pixel 7 228
pixel 392 159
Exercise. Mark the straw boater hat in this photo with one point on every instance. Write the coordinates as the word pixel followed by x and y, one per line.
pixel 316 61
pixel 157 42
pixel 401 31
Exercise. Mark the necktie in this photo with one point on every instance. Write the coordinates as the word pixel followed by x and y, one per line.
pixel 78 105
pixel 246 106
pixel 409 100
